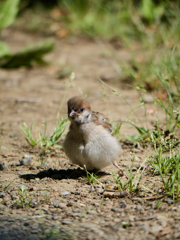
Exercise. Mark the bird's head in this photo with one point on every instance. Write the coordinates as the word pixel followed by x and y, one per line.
pixel 79 110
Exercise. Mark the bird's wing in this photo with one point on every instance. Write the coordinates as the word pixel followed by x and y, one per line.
pixel 100 119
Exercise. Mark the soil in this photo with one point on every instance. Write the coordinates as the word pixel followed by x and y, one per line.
pixel 58 201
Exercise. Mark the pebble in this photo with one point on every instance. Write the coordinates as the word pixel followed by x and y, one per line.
pixel 32 168
pixel 139 208
pixel 3 166
pixel 15 135
pixel 11 220
pixel 26 160
pixel 146 218
pixel 64 193
pixel 76 210
pixel 2 194
pixel 125 165
pixel 34 203
pixel 143 228
pixel 19 169
pixel 55 217
pixel 123 204
pixel 26 224
pixel 56 203
pixel 45 165
pixel 69 204
pixel 115 209
pixel 66 222
pixel 35 226
pixel 138 200
pixel 100 190
pixel 138 146
pixel 62 205
pixel 134 169
pixel 170 202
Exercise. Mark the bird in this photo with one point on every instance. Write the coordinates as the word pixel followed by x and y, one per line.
pixel 89 142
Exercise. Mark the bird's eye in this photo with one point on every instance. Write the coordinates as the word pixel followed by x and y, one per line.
pixel 81 109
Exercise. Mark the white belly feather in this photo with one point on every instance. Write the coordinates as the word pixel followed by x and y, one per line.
pixel 95 147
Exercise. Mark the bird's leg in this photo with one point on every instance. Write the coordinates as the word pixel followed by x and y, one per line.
pixel 122 173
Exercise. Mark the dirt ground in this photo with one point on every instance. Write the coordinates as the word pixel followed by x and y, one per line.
pixel 63 205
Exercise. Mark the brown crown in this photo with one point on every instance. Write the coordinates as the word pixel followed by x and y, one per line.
pixel 77 103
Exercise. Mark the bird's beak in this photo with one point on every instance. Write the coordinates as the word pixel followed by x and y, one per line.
pixel 72 113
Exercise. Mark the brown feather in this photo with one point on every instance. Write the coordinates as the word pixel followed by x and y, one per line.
pixel 76 103
pixel 100 119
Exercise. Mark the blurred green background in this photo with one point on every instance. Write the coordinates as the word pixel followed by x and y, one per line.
pixel 153 25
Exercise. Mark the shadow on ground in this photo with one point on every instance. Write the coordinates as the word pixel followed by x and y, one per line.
pixel 62 174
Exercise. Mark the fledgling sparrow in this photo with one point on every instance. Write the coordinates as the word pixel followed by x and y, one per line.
pixel 90 142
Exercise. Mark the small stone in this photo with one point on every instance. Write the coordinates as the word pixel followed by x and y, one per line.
pixel 77 210
pixel 66 222
pixel 26 160
pixel 146 218
pixel 115 209
pixel 139 208
pixel 35 226
pixel 26 224
pixel 64 193
pixel 138 200
pixel 44 179
pixel 77 192
pixel 45 165
pixel 62 205
pixel 134 169
pixel 32 168
pixel 170 202
pixel 100 190
pixel 69 204
pixel 138 146
pixel 56 203
pixel 143 228
pixel 2 194
pixel 15 135
pixel 34 203
pixel 11 220
pixel 19 169
pixel 34 231
pixel 3 166
pixel 55 217
pixel 125 165
pixel 123 204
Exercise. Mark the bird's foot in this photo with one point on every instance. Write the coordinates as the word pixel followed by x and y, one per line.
pixel 121 172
